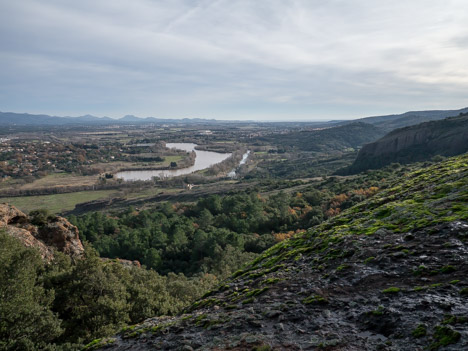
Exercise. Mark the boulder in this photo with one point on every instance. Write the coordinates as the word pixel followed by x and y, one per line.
pixel 63 236
pixel 57 234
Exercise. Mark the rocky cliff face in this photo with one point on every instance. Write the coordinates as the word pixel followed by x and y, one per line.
pixel 416 143
pixel 56 234
pixel 387 274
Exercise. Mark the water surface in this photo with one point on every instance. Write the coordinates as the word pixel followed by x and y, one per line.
pixel 203 159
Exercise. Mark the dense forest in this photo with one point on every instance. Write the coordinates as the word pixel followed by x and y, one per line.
pixel 216 234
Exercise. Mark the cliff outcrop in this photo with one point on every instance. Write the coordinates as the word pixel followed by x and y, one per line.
pixel 54 234
pixel 387 274
pixel 421 142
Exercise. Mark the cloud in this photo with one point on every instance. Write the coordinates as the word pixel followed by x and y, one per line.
pixel 225 59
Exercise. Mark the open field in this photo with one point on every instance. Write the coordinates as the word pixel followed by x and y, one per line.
pixel 57 202
pixel 60 180
pixel 147 192
pixel 113 167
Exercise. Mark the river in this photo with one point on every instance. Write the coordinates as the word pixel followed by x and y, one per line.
pixel 203 159
pixel 232 174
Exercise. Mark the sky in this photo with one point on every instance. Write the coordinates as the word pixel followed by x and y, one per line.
pixel 233 59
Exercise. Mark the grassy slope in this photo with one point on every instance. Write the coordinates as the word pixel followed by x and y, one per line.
pixel 373 268
pixel 427 197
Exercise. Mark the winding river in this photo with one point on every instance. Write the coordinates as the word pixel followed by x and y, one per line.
pixel 203 159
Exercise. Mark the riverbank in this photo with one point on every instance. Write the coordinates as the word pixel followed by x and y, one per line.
pixel 203 160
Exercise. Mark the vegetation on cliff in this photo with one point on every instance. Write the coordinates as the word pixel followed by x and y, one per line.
pixel 61 304
pixel 388 273
pixel 91 298
pixel 217 239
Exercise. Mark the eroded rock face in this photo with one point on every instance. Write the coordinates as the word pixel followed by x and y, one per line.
pixel 29 240
pixel 63 236
pixel 58 234
pixel 415 143
pixel 11 215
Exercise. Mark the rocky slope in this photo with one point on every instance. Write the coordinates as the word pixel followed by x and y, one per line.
pixel 416 143
pixel 388 274
pixel 54 234
pixel 390 122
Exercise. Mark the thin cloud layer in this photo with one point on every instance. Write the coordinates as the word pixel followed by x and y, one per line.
pixel 271 59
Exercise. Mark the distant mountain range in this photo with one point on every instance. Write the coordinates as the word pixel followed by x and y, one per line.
pixel 386 123
pixel 26 119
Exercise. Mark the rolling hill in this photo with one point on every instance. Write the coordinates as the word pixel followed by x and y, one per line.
pixel 341 137
pixel 391 122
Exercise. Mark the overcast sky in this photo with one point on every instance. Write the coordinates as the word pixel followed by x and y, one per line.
pixel 233 59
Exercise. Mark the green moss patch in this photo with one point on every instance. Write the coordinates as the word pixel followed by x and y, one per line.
pixel 419 331
pixel 99 343
pixel 391 290
pixel 444 336
pixel 315 300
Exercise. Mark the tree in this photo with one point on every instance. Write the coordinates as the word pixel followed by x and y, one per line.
pixel 91 298
pixel 26 321
pixel 205 219
pixel 153 259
